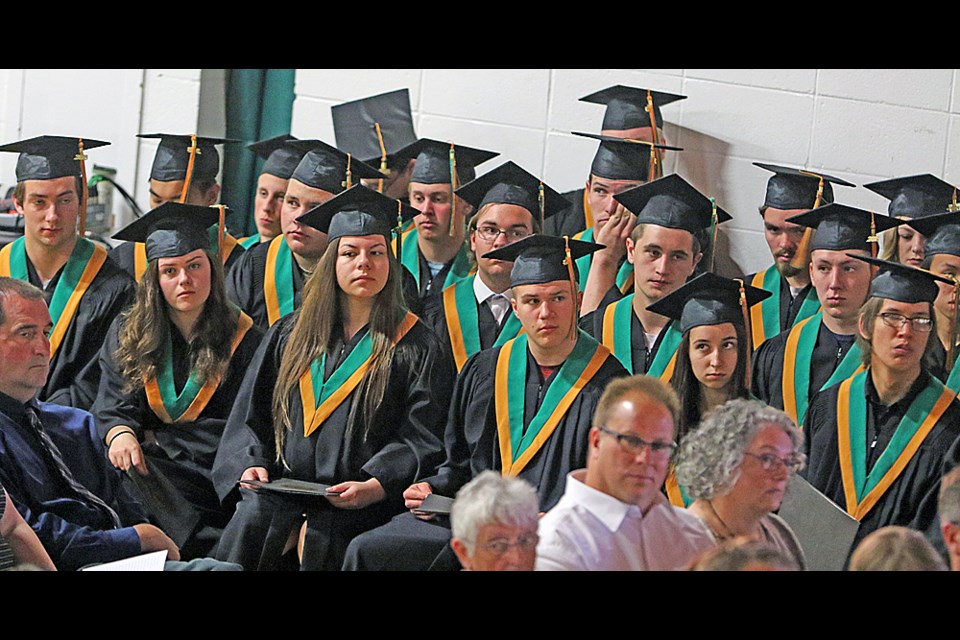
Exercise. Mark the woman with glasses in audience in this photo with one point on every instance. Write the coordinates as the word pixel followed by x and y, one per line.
pixel 736 466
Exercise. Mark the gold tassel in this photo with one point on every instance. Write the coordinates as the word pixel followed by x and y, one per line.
pixel 568 260
pixel 656 168
pixel 221 235
pixel 84 190
pixel 453 187
pixel 383 158
pixel 749 332
pixel 872 238
pixel 802 256
pixel 194 152
pixel 713 235
pixel 542 201
pixel 349 181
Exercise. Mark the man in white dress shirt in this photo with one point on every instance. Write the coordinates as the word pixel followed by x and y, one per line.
pixel 612 515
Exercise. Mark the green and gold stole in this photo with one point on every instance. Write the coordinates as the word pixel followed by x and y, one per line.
pixel 278 280
pixel 765 317
pixel 250 241
pixel 616 336
pixel 516 447
pixel 162 396
pixel 410 258
pixel 675 493
pixel 321 398
pixel 953 380
pixel 463 323
pixel 795 380
pixel 862 490
pixel 82 267
pixel 624 274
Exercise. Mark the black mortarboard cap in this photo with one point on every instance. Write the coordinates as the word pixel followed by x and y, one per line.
pixel 511 184
pixel 840 227
pixel 172 229
pixel 173 157
pixel 942 231
pixel 797 188
pixel 706 300
pixel 433 161
pixel 354 125
pixel 915 196
pixel 280 157
pixel 49 157
pixel 671 202
pixel 540 258
pixel 622 159
pixel 627 106
pixel 325 167
pixel 901 282
pixel 358 211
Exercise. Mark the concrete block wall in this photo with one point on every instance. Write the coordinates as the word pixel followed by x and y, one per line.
pixel 860 125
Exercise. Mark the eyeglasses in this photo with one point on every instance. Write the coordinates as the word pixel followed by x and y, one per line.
pixel 490 234
pixel 768 461
pixel 635 444
pixel 501 546
pixel 896 321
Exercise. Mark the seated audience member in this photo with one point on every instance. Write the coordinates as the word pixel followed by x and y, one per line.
pixel 75 503
pixel 949 509
pixel 896 549
pixel 494 520
pixel 612 515
pixel 19 545
pixel 745 555
pixel 736 466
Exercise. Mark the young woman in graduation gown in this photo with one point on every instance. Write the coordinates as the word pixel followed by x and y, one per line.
pixel 172 366
pixel 350 390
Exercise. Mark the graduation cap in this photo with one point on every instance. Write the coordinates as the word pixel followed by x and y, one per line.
pixel 511 184
pixel 50 157
pixel 541 258
pixel 172 160
pixel 916 196
pixel 434 161
pixel 674 203
pixel 328 168
pixel 798 188
pixel 358 211
pixel 377 128
pixel 708 299
pixel 172 229
pixel 627 106
pixel 942 231
pixel 840 227
pixel 903 283
pixel 280 158
pixel 624 158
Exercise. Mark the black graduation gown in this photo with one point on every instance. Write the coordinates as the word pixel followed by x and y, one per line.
pixel 592 323
pixel 75 369
pixel 911 500
pixel 472 446
pixel 767 378
pixel 569 221
pixel 404 441
pixel 123 256
pixel 789 306
pixel 434 316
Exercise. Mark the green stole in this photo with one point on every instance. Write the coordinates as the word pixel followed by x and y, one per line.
pixel 765 317
pixel 624 275
pixel 252 241
pixel 617 336
pixel 410 258
pixel 278 280
pixel 463 322
pixel 953 380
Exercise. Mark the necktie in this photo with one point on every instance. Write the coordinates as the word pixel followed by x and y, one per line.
pixel 497 304
pixel 55 456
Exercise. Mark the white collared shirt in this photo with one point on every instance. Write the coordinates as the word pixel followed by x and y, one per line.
pixel 499 304
pixel 589 530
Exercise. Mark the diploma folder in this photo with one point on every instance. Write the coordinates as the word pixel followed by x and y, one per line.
pixel 825 531
pixel 436 504
pixel 291 487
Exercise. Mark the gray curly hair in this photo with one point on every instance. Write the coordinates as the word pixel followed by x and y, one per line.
pixel 491 498
pixel 710 456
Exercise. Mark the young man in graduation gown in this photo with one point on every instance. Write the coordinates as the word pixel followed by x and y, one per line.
pixel 434 251
pixel 876 443
pixel 790 192
pixel 266 282
pixel 280 160
pixel 633 113
pixel 820 351
pixel 476 313
pixel 83 289
pixel 184 170
pixel 523 408
pixel 664 251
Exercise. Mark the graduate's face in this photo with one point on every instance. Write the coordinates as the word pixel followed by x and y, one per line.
pixel 783 237
pixel 634 477
pixel 170 190
pixel 546 311
pixel 758 490
pixel 24 347
pixel 945 265
pixel 713 354
pixel 267 204
pixel 362 265
pixel 898 349
pixel 600 192
pixel 842 282
pixel 910 244
pixel 185 281
pixel 513 221
pixel 50 210
pixel 435 204
pixel 663 259
pixel 489 555
pixel 302 239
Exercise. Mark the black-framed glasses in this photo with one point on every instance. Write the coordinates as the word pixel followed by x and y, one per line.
pixel 897 320
pixel 769 461
pixel 635 444
pixel 501 545
pixel 490 234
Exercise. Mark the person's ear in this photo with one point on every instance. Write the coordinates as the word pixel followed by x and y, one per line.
pixel 460 549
